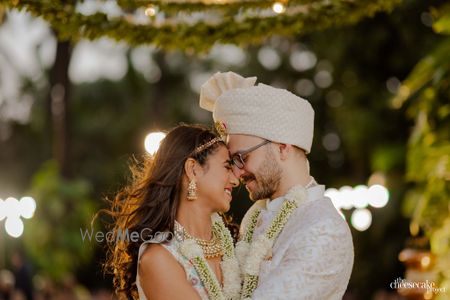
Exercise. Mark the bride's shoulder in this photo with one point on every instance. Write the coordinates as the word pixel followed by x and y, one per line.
pixel 154 253
pixel 155 258
pixel 158 270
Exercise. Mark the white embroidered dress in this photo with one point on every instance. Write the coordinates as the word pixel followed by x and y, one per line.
pixel 173 246
pixel 312 258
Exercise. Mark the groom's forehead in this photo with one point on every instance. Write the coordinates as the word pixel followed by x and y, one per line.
pixel 239 142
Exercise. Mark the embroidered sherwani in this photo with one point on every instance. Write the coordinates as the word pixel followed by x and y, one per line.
pixel 312 258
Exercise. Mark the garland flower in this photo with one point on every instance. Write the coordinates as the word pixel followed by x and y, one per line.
pixel 229 264
pixel 260 248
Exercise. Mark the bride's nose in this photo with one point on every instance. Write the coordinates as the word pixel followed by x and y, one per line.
pixel 234 180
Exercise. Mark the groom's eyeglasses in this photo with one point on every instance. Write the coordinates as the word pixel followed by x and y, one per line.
pixel 237 159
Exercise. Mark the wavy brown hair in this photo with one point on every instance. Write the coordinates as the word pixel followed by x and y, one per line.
pixel 150 201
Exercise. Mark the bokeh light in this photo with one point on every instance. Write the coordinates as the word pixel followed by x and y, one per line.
pixel 331 141
pixel 377 178
pixel 278 7
pixel 14 226
pixel 345 197
pixel 379 196
pixel 12 210
pixel 11 207
pixel 302 60
pixel 150 11
pixel 27 207
pixel 152 141
pixel 269 58
pixel 323 79
pixel 305 87
pixel 361 219
pixel 359 198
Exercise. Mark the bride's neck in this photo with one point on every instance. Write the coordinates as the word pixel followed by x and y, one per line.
pixel 195 219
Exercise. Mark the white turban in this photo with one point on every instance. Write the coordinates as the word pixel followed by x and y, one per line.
pixel 264 111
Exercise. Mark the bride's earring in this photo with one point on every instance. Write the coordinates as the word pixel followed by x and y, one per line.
pixel 192 191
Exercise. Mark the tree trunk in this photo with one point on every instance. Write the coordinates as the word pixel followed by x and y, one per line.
pixel 58 107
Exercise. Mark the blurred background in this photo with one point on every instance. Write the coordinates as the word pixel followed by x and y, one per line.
pixel 80 94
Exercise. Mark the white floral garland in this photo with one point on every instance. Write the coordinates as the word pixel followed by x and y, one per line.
pixel 251 253
pixel 229 264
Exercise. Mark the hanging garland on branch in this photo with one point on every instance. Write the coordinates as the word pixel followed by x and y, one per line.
pixel 196 25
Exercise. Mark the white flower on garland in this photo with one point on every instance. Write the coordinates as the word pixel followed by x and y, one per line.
pixel 258 250
pixel 229 264
pixel 232 282
pixel 190 249
pixel 242 250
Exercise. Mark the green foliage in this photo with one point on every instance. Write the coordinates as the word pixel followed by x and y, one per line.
pixel 387 157
pixel 427 93
pixel 429 145
pixel 238 23
pixel 110 119
pixel 53 238
pixel 442 23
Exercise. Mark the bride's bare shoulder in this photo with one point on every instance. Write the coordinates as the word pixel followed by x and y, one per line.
pixel 162 277
pixel 156 256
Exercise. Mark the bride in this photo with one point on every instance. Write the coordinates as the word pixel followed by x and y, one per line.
pixel 186 251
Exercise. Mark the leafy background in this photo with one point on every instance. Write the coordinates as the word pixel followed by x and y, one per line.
pixel 387 103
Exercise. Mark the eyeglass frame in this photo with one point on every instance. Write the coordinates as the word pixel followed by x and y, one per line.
pixel 239 156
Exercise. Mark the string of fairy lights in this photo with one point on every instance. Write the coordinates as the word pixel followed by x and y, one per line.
pixel 195 26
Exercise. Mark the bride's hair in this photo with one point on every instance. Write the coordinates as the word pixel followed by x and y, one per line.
pixel 150 201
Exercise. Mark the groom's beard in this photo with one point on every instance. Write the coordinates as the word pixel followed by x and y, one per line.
pixel 266 179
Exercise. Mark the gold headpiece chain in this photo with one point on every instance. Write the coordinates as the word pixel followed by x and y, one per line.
pixel 207 145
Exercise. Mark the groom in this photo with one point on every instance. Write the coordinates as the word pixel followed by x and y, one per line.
pixel 295 245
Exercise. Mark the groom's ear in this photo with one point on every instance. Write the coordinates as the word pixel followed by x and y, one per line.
pixel 284 151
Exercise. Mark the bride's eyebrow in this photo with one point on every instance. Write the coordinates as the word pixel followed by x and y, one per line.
pixel 227 162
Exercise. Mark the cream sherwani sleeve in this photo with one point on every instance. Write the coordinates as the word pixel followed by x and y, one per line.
pixel 312 257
